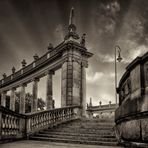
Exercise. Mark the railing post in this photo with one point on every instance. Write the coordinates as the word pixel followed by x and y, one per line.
pixel 0 124
pixel 22 127
pixel 28 127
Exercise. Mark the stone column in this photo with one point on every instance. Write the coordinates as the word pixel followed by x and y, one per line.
pixel 67 83
pixel 3 98
pixel 34 95
pixel 76 87
pixel 22 99
pixel 83 90
pixel 49 99
pixel 12 99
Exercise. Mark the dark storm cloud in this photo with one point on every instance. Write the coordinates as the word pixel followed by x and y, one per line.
pixel 28 26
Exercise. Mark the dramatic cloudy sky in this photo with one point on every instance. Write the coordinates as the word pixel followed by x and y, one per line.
pixel 28 26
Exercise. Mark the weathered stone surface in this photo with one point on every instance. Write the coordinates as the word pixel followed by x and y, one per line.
pixel 49 98
pixel 3 99
pixel 144 127
pixel 12 100
pixel 144 105
pixel 130 130
pixel 34 95
pixel 22 100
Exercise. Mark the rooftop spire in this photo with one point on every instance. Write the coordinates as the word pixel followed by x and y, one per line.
pixel 71 28
pixel 71 17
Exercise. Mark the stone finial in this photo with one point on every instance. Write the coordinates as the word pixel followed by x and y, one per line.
pixel 110 103
pixel 50 47
pixel 36 57
pixel 82 42
pixel 100 103
pixel 23 63
pixel 87 105
pixel 4 75
pixel 71 28
pixel 71 17
pixel 90 102
pixel 13 70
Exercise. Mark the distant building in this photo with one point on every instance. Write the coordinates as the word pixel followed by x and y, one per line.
pixel 101 111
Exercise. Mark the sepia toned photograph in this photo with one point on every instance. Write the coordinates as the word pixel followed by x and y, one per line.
pixel 73 73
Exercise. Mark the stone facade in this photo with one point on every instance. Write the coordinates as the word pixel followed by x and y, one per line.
pixel 131 115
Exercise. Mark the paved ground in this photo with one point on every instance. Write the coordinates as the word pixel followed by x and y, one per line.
pixel 44 144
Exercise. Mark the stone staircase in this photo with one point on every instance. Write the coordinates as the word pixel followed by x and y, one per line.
pixel 82 131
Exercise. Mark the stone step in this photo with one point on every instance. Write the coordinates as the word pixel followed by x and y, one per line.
pixel 87 125
pixel 74 141
pixel 67 129
pixel 77 137
pixel 103 134
pixel 97 120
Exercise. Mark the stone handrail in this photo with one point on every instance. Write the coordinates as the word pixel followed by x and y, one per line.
pixel 16 126
pixel 12 124
pixel 48 118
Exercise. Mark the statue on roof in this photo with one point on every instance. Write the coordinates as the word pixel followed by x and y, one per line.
pixel 82 42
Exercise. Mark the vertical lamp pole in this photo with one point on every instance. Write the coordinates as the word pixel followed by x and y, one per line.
pixel 119 58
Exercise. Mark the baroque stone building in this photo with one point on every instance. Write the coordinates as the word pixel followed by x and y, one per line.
pixel 71 56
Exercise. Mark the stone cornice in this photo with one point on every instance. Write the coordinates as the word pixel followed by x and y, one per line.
pixel 36 66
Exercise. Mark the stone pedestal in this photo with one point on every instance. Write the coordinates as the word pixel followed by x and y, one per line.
pixel 3 98
pixel 12 99
pixel 22 99
pixel 34 103
pixel 49 99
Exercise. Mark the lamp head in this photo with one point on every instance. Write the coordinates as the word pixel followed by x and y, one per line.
pixel 119 59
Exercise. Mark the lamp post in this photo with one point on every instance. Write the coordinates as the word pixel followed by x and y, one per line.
pixel 119 59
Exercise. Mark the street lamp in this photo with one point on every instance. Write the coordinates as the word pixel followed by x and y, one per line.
pixel 119 59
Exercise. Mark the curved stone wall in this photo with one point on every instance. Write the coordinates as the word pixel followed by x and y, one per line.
pixel 131 116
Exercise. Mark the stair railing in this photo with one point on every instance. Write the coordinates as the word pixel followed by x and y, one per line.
pixel 15 126
pixel 12 124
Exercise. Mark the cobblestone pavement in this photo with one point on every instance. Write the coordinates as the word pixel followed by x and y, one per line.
pixel 45 144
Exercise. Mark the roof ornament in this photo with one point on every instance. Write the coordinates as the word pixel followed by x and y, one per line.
pixel 71 18
pixel 90 102
pixel 23 63
pixel 4 75
pixel 50 47
pixel 82 42
pixel 71 28
pixel 36 57
pixel 13 70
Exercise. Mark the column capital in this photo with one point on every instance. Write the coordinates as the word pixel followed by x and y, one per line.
pixel 23 85
pixel 35 79
pixel 13 88
pixel 49 72
pixel 4 92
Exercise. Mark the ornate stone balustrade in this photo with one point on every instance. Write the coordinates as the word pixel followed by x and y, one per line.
pixel 15 126
pixel 12 125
